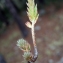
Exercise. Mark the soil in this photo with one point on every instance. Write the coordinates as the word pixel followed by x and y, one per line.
pixel 49 39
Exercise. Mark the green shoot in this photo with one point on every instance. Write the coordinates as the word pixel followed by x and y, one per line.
pixel 23 44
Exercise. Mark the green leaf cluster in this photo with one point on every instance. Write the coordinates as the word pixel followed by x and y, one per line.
pixel 27 56
pixel 23 45
pixel 32 11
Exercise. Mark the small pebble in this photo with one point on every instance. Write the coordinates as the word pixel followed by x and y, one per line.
pixel 51 61
pixel 37 28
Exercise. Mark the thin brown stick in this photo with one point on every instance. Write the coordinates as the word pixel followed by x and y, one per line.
pixel 34 42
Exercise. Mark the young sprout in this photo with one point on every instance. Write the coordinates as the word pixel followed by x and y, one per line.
pixel 28 56
pixel 33 16
pixel 23 44
pixel 32 11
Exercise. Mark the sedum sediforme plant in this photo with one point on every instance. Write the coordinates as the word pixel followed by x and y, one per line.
pixel 23 44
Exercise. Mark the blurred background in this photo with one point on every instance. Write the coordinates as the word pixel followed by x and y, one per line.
pixel 48 30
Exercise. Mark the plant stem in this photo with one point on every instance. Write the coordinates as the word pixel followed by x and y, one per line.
pixel 34 43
